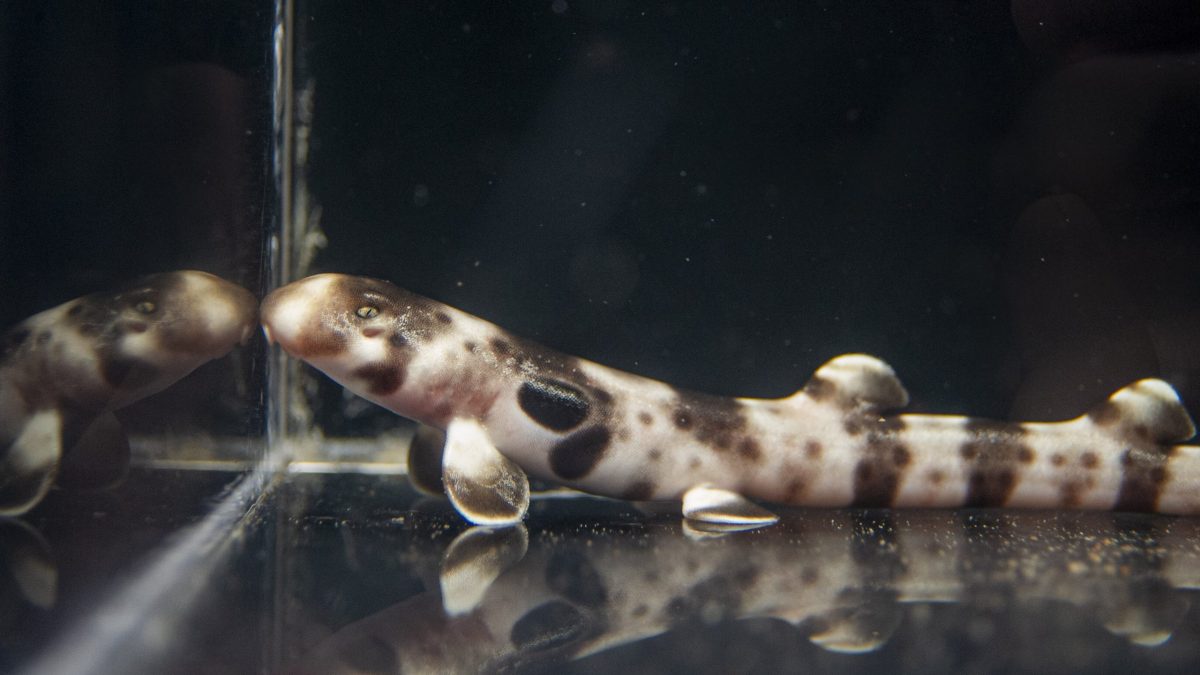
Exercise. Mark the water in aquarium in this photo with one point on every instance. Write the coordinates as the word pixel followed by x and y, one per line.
pixel 599 336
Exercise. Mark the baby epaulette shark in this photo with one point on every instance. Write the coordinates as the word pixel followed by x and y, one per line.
pixel 510 407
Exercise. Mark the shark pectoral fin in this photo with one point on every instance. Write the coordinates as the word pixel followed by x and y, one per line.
pixel 486 487
pixel 855 381
pixel 859 629
pixel 97 458
pixel 1147 409
pixel 30 562
pixel 425 460
pixel 30 463
pixel 474 560
pixel 708 504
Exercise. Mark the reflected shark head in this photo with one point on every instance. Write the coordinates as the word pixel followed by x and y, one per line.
pixel 149 333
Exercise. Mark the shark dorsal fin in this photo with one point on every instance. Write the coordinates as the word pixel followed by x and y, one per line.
pixel 856 381
pixel 1147 410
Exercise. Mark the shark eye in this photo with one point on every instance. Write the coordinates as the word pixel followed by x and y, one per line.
pixel 145 307
pixel 366 312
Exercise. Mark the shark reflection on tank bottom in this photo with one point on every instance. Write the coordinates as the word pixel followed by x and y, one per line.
pixel 511 407
pixel 64 371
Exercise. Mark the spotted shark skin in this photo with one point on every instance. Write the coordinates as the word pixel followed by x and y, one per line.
pixel 505 599
pixel 64 371
pixel 511 407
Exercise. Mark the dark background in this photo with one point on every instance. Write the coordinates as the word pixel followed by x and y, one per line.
pixel 999 200
pixel 133 139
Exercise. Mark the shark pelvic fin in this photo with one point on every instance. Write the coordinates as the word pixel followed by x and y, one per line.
pixel 425 460
pixel 30 462
pixel 30 562
pixel 486 487
pixel 1145 410
pixel 706 503
pixel 96 454
pixel 854 381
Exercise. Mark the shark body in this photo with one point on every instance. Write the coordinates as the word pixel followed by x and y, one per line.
pixel 64 371
pixel 510 407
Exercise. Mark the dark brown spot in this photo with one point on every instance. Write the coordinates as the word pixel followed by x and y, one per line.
pixel 655 454
pixel 714 420
pixel 748 448
pixel 570 574
pixel 639 491
pixel 547 626
pixel 884 460
pixel 819 389
pixel 470 346
pixel 853 424
pixel 501 346
pixel 994 429
pixel 1105 414
pixel 1144 472
pixel 555 405
pixel 745 577
pixel 645 418
pixel 442 317
pixel 1089 460
pixel 123 372
pixel 694 463
pixel 810 576
pixel 640 611
pixel 936 476
pixel 995 452
pixel 875 479
pixel 1057 459
pixel 793 491
pixel 382 378
pixel 990 488
pixel 576 455
pixel 1070 494
pixel 813 450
